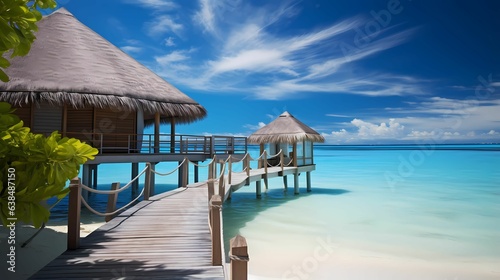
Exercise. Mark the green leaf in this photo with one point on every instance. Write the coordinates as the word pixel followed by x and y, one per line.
pixel 3 77
pixel 4 63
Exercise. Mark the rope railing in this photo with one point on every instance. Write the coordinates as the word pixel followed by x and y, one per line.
pixel 110 213
pixel 170 172
pixel 114 191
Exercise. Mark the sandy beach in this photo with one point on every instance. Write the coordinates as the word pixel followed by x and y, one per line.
pixel 50 243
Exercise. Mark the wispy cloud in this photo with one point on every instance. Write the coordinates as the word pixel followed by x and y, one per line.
pixel 205 16
pixel 162 25
pixel 250 43
pixel 154 4
pixel 131 49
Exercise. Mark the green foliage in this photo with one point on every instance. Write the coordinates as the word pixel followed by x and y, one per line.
pixel 41 167
pixel 18 20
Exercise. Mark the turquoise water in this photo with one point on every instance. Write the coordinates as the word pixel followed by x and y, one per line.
pixel 386 212
pixel 375 212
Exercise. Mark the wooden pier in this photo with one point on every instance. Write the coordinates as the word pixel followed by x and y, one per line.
pixel 175 235
pixel 167 237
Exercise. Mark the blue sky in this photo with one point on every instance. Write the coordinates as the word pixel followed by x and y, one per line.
pixel 359 72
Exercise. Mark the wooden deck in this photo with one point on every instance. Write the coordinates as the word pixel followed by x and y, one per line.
pixel 167 237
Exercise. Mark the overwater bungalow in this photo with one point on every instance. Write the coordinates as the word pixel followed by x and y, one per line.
pixel 76 82
pixel 295 141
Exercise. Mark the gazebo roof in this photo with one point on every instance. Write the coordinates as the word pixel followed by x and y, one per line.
pixel 70 64
pixel 285 129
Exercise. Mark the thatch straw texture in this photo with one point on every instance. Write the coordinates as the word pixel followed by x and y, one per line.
pixel 285 129
pixel 71 64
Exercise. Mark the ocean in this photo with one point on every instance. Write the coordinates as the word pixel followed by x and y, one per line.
pixel 375 212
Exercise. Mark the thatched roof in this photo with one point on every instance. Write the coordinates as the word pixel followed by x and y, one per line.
pixel 71 64
pixel 285 129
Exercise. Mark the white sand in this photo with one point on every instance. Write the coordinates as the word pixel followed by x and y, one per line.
pixel 46 246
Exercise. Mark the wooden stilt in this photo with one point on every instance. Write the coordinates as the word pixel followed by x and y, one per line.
pixel 135 184
pixel 152 180
pixel 258 189
pixel 308 179
pixel 285 182
pixel 296 183
pixel 94 176
pixel 196 173
pixel 86 180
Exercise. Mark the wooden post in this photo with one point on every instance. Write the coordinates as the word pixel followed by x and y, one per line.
pixel 247 163
pixel 282 159
pixel 112 197
pixel 229 169
pixel 296 182
pixel 294 154
pixel 185 172
pixel 152 179
pixel 222 187
pixel 308 179
pixel 239 258
pixel 147 182
pixel 172 135
pixel 196 173
pixel 135 184
pixel 157 133
pixel 258 188
pixel 215 208
pixel 285 182
pixel 74 207
pixel 265 162
pixel 211 188
pixel 260 154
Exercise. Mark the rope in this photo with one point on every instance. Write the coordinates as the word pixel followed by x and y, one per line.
pixel 168 173
pixel 112 213
pixel 239 258
pixel 114 191
pixel 202 166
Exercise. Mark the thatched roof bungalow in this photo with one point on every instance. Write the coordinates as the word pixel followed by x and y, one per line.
pixel 284 131
pixel 75 81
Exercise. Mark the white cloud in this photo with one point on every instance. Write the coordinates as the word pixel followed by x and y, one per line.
pixel 492 132
pixel 131 49
pixel 154 4
pixel 174 56
pixel 254 127
pixel 255 60
pixel 382 130
pixel 205 16
pixel 163 24
pixel 169 42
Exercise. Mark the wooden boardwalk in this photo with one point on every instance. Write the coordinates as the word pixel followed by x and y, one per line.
pixel 167 237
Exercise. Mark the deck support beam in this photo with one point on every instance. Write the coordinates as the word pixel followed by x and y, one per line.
pixel 196 173
pixel 152 179
pixel 157 133
pixel 308 180
pixel 172 135
pixel 296 183
pixel 285 182
pixel 258 188
pixel 135 184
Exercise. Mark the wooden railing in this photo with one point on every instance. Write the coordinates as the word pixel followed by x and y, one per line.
pixel 145 143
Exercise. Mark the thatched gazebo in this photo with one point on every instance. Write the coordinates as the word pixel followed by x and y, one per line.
pixel 75 81
pixel 284 131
